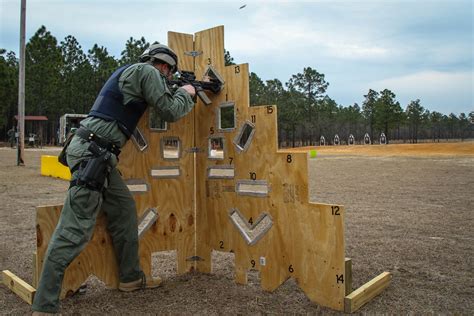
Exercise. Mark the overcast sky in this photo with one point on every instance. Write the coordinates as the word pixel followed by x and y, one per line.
pixel 418 49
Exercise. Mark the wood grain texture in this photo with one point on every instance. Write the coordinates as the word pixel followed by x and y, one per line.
pixel 18 286
pixel 306 241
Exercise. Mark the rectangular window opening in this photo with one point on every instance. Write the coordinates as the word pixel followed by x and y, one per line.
pixel 226 116
pixel 170 148
pixel 220 172
pixel 259 188
pixel 166 172
pixel 216 148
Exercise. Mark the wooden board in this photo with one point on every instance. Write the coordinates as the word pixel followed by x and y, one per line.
pixel 97 258
pixel 366 292
pixel 18 286
pixel 306 240
pixel 260 210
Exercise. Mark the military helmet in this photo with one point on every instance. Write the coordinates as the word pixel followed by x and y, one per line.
pixel 162 53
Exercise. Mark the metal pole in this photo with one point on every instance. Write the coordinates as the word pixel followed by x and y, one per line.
pixel 21 89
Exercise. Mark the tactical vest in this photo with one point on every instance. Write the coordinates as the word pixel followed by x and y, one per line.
pixel 109 105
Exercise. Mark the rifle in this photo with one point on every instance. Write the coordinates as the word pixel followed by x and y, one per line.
pixel 188 77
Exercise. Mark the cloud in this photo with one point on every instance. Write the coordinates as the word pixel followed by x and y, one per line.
pixel 440 91
pixel 416 49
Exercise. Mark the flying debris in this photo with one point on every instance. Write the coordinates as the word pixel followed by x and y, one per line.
pixel 243 6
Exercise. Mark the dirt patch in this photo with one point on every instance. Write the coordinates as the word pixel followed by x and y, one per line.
pixel 409 213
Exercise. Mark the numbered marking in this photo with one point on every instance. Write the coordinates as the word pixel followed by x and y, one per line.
pixel 253 263
pixel 340 278
pixel 209 61
pixel 253 118
pixel 290 268
pixel 269 109
pixel 221 244
pixel 289 159
pixel 231 159
pixel 250 221
pixel 335 210
pixel 237 69
pixel 253 175
pixel 211 130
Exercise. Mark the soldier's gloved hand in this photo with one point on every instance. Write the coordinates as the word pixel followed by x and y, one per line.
pixel 189 89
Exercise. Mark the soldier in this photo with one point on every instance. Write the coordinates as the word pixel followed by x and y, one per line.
pixel 96 184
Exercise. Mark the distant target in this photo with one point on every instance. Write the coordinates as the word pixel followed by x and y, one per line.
pixel 383 139
pixel 366 139
pixel 336 140
pixel 351 140
pixel 322 141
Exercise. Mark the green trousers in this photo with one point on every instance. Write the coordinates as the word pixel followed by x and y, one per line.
pixel 76 225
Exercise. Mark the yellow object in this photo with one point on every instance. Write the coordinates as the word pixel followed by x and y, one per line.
pixel 312 153
pixel 51 167
pixel 20 287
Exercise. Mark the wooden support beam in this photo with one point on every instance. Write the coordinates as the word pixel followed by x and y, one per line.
pixel 18 286
pixel 366 292
pixel 348 275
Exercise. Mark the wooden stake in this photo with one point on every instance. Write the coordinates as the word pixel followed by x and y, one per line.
pixel 348 274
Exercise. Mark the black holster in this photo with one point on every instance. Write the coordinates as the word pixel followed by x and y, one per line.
pixel 93 172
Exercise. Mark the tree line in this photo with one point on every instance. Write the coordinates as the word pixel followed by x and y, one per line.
pixel 63 78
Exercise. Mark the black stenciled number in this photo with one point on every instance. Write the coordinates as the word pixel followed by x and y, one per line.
pixel 253 175
pixel 230 160
pixel 209 61
pixel 254 118
pixel 335 210
pixel 237 69
pixel 253 263
pixel 290 268
pixel 221 244
pixel 340 278
pixel 269 109
pixel 251 221
pixel 211 130
pixel 289 159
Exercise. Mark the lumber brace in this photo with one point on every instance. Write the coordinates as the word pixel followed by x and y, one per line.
pixel 366 292
pixel 51 167
pixel 18 286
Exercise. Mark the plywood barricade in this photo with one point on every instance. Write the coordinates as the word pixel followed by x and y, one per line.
pixel 249 198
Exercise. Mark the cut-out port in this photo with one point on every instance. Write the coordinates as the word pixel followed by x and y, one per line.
pixel 146 221
pixel 251 233
pixel 156 123
pixel 139 140
pixel 166 172
pixel 216 148
pixel 245 136
pixel 164 264
pixel 136 185
pixel 170 148
pixel 226 116
pixel 259 188
pixel 220 172
pixel 223 263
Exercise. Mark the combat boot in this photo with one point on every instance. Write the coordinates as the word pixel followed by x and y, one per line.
pixel 142 283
